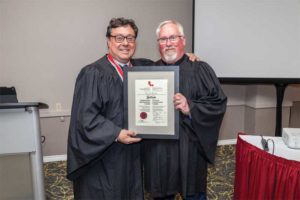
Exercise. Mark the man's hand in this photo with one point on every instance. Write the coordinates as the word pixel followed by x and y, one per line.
pixel 192 57
pixel 127 137
pixel 181 103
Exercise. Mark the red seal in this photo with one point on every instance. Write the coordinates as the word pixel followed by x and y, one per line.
pixel 143 115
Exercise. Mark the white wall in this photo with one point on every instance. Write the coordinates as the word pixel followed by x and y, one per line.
pixel 44 44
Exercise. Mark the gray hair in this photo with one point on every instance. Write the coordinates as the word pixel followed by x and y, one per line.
pixel 180 27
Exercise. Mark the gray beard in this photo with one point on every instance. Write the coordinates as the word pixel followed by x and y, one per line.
pixel 170 57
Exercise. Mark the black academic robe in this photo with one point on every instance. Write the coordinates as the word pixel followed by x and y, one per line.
pixel 99 167
pixel 173 166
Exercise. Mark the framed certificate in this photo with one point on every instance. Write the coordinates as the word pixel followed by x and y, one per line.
pixel 148 101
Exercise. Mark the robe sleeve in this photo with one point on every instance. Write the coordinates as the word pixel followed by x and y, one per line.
pixel 207 110
pixel 142 62
pixel 90 132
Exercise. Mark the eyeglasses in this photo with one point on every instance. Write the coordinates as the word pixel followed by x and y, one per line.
pixel 121 38
pixel 173 38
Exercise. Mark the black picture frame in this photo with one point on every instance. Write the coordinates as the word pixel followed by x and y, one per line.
pixel 165 118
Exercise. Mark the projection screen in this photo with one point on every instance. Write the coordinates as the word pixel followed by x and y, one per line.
pixel 249 38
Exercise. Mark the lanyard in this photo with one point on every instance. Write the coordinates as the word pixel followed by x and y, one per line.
pixel 117 67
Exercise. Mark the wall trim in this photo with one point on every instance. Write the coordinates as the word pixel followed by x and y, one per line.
pixel 227 142
pixel 55 158
pixel 53 113
pixel 67 113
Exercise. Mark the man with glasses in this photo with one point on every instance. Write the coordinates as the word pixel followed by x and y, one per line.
pixel 180 166
pixel 103 158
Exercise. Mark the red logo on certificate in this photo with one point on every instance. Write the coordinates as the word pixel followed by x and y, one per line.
pixel 150 84
pixel 143 115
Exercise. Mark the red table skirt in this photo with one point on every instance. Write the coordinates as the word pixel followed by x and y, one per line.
pixel 260 175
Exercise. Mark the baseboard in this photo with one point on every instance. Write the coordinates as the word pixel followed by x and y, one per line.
pixel 55 158
pixel 226 142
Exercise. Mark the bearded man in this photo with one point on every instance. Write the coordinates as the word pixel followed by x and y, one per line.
pixel 180 166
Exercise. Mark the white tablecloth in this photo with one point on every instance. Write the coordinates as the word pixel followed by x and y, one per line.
pixel 280 150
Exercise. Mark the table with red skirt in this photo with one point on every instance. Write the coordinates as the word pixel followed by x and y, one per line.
pixel 263 175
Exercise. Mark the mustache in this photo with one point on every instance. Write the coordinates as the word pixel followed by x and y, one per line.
pixel 169 48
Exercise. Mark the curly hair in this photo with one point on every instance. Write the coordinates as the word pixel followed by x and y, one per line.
pixel 119 22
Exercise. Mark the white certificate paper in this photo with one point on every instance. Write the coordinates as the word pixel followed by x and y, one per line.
pixel 151 96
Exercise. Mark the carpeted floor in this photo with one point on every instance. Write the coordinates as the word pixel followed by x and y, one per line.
pixel 220 177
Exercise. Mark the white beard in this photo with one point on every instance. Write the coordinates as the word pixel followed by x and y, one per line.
pixel 170 56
